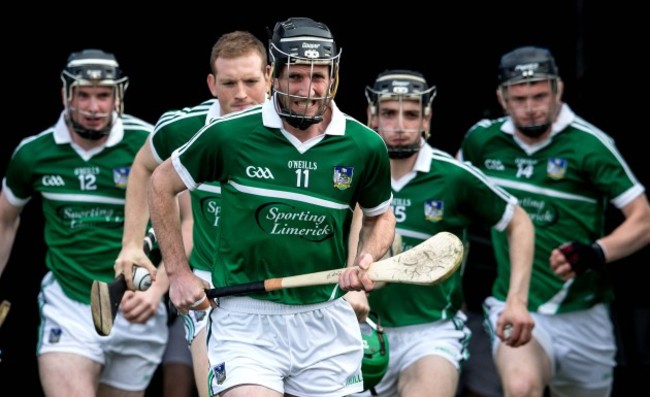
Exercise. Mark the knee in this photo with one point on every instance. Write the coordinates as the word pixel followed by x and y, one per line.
pixel 523 386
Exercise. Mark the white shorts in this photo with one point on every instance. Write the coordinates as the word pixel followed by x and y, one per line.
pixel 580 345
pixel 130 354
pixel 445 338
pixel 305 350
pixel 197 320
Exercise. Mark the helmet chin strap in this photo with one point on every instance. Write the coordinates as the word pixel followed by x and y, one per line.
pixel 297 120
pixel 403 152
pixel 87 133
pixel 301 123
pixel 534 131
pixel 399 152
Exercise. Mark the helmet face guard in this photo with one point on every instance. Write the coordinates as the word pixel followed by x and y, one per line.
pixel 375 352
pixel 401 86
pixel 93 68
pixel 527 65
pixel 302 41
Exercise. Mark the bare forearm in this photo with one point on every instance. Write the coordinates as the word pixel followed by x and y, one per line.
pixel 353 239
pixel 631 235
pixel 521 241
pixel 166 219
pixel 187 221
pixel 9 223
pixel 376 235
pixel 375 238
pixel 136 209
pixel 7 237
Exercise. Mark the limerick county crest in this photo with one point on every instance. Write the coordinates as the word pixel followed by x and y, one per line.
pixel 343 177
pixel 434 210
pixel 120 176
pixel 556 168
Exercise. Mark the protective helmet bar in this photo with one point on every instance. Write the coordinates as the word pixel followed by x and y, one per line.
pixel 393 84
pixel 302 41
pixel 400 85
pixel 93 67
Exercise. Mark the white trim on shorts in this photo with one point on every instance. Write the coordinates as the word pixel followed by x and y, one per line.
pixel 196 320
pixel 130 354
pixel 448 339
pixel 582 340
pixel 313 349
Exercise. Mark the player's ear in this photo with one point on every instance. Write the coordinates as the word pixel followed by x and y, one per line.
pixel 212 79
pixel 560 90
pixel 371 114
pixel 426 119
pixel 501 98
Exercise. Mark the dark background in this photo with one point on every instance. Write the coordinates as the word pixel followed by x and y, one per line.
pixel 599 48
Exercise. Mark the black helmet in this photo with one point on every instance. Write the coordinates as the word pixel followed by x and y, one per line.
pixel 401 84
pixel 395 84
pixel 92 67
pixel 307 42
pixel 527 64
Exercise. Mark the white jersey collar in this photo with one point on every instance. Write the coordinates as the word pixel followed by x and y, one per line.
pixel 214 112
pixel 62 133
pixel 565 118
pixel 423 162
pixel 271 119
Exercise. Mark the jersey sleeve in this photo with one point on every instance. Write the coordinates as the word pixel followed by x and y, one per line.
pixel 17 183
pixel 495 207
pixel 609 171
pixel 160 140
pixel 197 160
pixel 470 146
pixel 376 193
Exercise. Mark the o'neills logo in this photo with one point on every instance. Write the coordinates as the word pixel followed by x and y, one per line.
pixel 286 220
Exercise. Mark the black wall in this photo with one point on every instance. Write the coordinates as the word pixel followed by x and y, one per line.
pixel 165 53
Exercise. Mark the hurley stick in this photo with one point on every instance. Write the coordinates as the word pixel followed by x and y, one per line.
pixel 4 310
pixel 105 298
pixel 428 263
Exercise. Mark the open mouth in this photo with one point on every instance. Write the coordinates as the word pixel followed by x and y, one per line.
pixel 304 104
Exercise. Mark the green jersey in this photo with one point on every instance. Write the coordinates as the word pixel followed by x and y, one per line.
pixel 286 205
pixel 564 185
pixel 172 130
pixel 82 198
pixel 439 194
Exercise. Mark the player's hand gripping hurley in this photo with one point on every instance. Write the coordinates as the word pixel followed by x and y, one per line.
pixel 428 263
pixel 105 298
